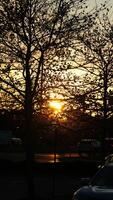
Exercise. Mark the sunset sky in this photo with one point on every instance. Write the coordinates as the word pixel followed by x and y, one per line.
pixel 98 3
pixel 93 3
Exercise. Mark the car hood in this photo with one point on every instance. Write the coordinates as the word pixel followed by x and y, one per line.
pixel 94 193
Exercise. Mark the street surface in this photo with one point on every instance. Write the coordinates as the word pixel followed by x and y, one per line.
pixel 57 181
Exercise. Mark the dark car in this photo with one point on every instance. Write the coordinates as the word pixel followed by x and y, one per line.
pixel 89 148
pixel 92 148
pixel 100 187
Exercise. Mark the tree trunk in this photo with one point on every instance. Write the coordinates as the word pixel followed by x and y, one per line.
pixel 104 132
pixel 29 153
pixel 28 138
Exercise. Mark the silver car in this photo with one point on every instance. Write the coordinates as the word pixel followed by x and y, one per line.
pixel 100 187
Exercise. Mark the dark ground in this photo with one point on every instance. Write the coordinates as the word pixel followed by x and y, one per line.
pixel 51 182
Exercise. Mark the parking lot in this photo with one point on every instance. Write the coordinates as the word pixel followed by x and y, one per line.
pixel 57 182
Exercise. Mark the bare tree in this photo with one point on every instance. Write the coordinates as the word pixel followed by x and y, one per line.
pixel 32 33
pixel 96 58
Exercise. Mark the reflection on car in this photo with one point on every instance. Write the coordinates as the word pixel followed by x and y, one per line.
pixel 109 159
pixel 99 187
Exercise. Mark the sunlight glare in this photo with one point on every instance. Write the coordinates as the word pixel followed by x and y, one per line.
pixel 56 105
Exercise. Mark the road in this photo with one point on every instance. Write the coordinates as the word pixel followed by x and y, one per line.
pixel 41 157
pixel 46 184
pixel 15 187
pixel 60 181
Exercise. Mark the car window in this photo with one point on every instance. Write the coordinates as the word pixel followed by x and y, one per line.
pixel 104 177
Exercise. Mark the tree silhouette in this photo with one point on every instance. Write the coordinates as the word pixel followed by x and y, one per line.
pixel 32 33
pixel 96 60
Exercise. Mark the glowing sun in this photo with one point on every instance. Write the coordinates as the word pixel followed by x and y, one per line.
pixel 56 105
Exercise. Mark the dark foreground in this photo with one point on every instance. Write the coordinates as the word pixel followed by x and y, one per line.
pixel 52 181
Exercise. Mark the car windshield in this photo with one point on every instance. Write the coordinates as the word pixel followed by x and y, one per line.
pixel 104 178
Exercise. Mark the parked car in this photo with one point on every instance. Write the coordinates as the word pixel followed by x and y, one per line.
pixel 89 148
pixel 92 148
pixel 109 145
pixel 99 187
